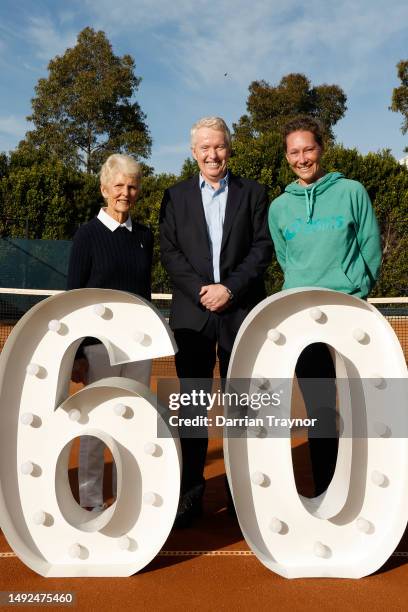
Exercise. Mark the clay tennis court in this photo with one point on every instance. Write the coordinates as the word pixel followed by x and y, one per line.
pixel 210 567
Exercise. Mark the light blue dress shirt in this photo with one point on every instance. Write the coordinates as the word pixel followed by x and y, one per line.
pixel 215 203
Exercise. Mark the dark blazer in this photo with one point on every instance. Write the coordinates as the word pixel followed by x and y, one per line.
pixel 246 251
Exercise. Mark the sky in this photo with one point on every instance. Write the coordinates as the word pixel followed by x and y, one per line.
pixel 198 58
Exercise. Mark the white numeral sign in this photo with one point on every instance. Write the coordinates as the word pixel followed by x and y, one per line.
pixel 352 529
pixel 43 523
pixel 349 531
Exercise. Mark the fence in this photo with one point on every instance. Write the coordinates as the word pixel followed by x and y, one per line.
pixel 34 263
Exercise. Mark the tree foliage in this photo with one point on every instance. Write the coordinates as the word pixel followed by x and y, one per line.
pixel 399 102
pixel 83 111
pixel 387 184
pixel 41 197
pixel 147 211
pixel 269 106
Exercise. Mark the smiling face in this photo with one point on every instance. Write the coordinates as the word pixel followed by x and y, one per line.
pixel 120 194
pixel 303 154
pixel 212 152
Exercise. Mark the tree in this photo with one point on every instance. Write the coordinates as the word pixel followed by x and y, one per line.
pixel 189 169
pixel 83 110
pixel 387 184
pixel 399 102
pixel 269 106
pixel 147 211
pixel 41 197
pixel 3 165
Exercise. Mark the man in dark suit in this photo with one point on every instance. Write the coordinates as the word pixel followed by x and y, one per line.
pixel 215 247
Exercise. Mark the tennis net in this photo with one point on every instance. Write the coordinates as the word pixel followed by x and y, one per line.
pixel 14 303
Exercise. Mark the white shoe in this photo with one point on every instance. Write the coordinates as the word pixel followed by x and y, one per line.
pixel 99 508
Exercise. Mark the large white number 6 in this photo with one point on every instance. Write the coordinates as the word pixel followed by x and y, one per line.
pixel 47 529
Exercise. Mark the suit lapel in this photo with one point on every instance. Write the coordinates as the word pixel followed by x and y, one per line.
pixel 233 203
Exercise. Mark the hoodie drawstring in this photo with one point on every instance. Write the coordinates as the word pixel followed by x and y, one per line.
pixel 309 195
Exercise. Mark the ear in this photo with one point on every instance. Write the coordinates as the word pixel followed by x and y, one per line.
pixel 104 191
pixel 193 153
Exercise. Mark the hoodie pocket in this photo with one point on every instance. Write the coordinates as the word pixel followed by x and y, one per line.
pixel 356 274
pixel 329 278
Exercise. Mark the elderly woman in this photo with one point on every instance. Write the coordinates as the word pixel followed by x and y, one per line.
pixel 109 252
pixel 325 235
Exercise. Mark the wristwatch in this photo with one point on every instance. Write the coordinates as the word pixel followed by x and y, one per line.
pixel 230 294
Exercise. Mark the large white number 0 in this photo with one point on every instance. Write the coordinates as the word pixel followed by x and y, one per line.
pixel 47 529
pixel 352 529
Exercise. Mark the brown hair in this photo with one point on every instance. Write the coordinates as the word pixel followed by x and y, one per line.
pixel 303 123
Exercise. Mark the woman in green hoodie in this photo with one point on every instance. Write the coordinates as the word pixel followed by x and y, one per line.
pixel 326 235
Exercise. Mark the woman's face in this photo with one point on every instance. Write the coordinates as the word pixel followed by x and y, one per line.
pixel 303 154
pixel 120 194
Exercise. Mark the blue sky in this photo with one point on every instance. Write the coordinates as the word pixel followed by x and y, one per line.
pixel 183 49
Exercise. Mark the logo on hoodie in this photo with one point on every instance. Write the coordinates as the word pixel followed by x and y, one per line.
pixel 322 224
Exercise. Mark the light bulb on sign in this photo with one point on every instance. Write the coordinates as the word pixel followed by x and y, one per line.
pixel 55 325
pixel 276 525
pixel 274 335
pixel 258 478
pixel 151 499
pixel 316 314
pixel 27 468
pixel 74 414
pixel 119 409
pixel 150 448
pixel 27 418
pixel 99 310
pixel 39 518
pixel 33 369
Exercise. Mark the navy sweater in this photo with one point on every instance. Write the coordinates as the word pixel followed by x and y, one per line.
pixel 104 259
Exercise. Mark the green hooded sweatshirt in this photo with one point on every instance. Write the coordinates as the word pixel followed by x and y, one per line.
pixel 326 235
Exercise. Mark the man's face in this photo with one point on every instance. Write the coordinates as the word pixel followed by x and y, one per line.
pixel 212 153
pixel 303 154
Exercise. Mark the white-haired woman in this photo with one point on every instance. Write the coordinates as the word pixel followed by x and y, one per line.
pixel 109 252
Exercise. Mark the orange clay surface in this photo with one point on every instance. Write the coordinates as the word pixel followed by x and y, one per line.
pixel 209 567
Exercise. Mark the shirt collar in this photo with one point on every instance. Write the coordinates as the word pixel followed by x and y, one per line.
pixel 223 182
pixel 111 223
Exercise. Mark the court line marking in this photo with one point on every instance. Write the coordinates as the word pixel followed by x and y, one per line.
pixel 203 553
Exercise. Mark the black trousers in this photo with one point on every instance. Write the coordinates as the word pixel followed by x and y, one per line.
pixel 317 380
pixel 195 362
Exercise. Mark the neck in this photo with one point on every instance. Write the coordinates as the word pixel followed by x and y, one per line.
pixel 215 183
pixel 120 217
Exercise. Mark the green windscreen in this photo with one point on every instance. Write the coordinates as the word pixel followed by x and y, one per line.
pixel 34 264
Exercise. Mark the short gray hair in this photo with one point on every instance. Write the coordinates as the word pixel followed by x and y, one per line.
pixel 119 162
pixel 215 123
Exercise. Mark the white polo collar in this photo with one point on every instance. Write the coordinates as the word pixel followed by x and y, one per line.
pixel 111 224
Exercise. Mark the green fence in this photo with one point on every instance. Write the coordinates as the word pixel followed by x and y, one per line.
pixel 34 264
